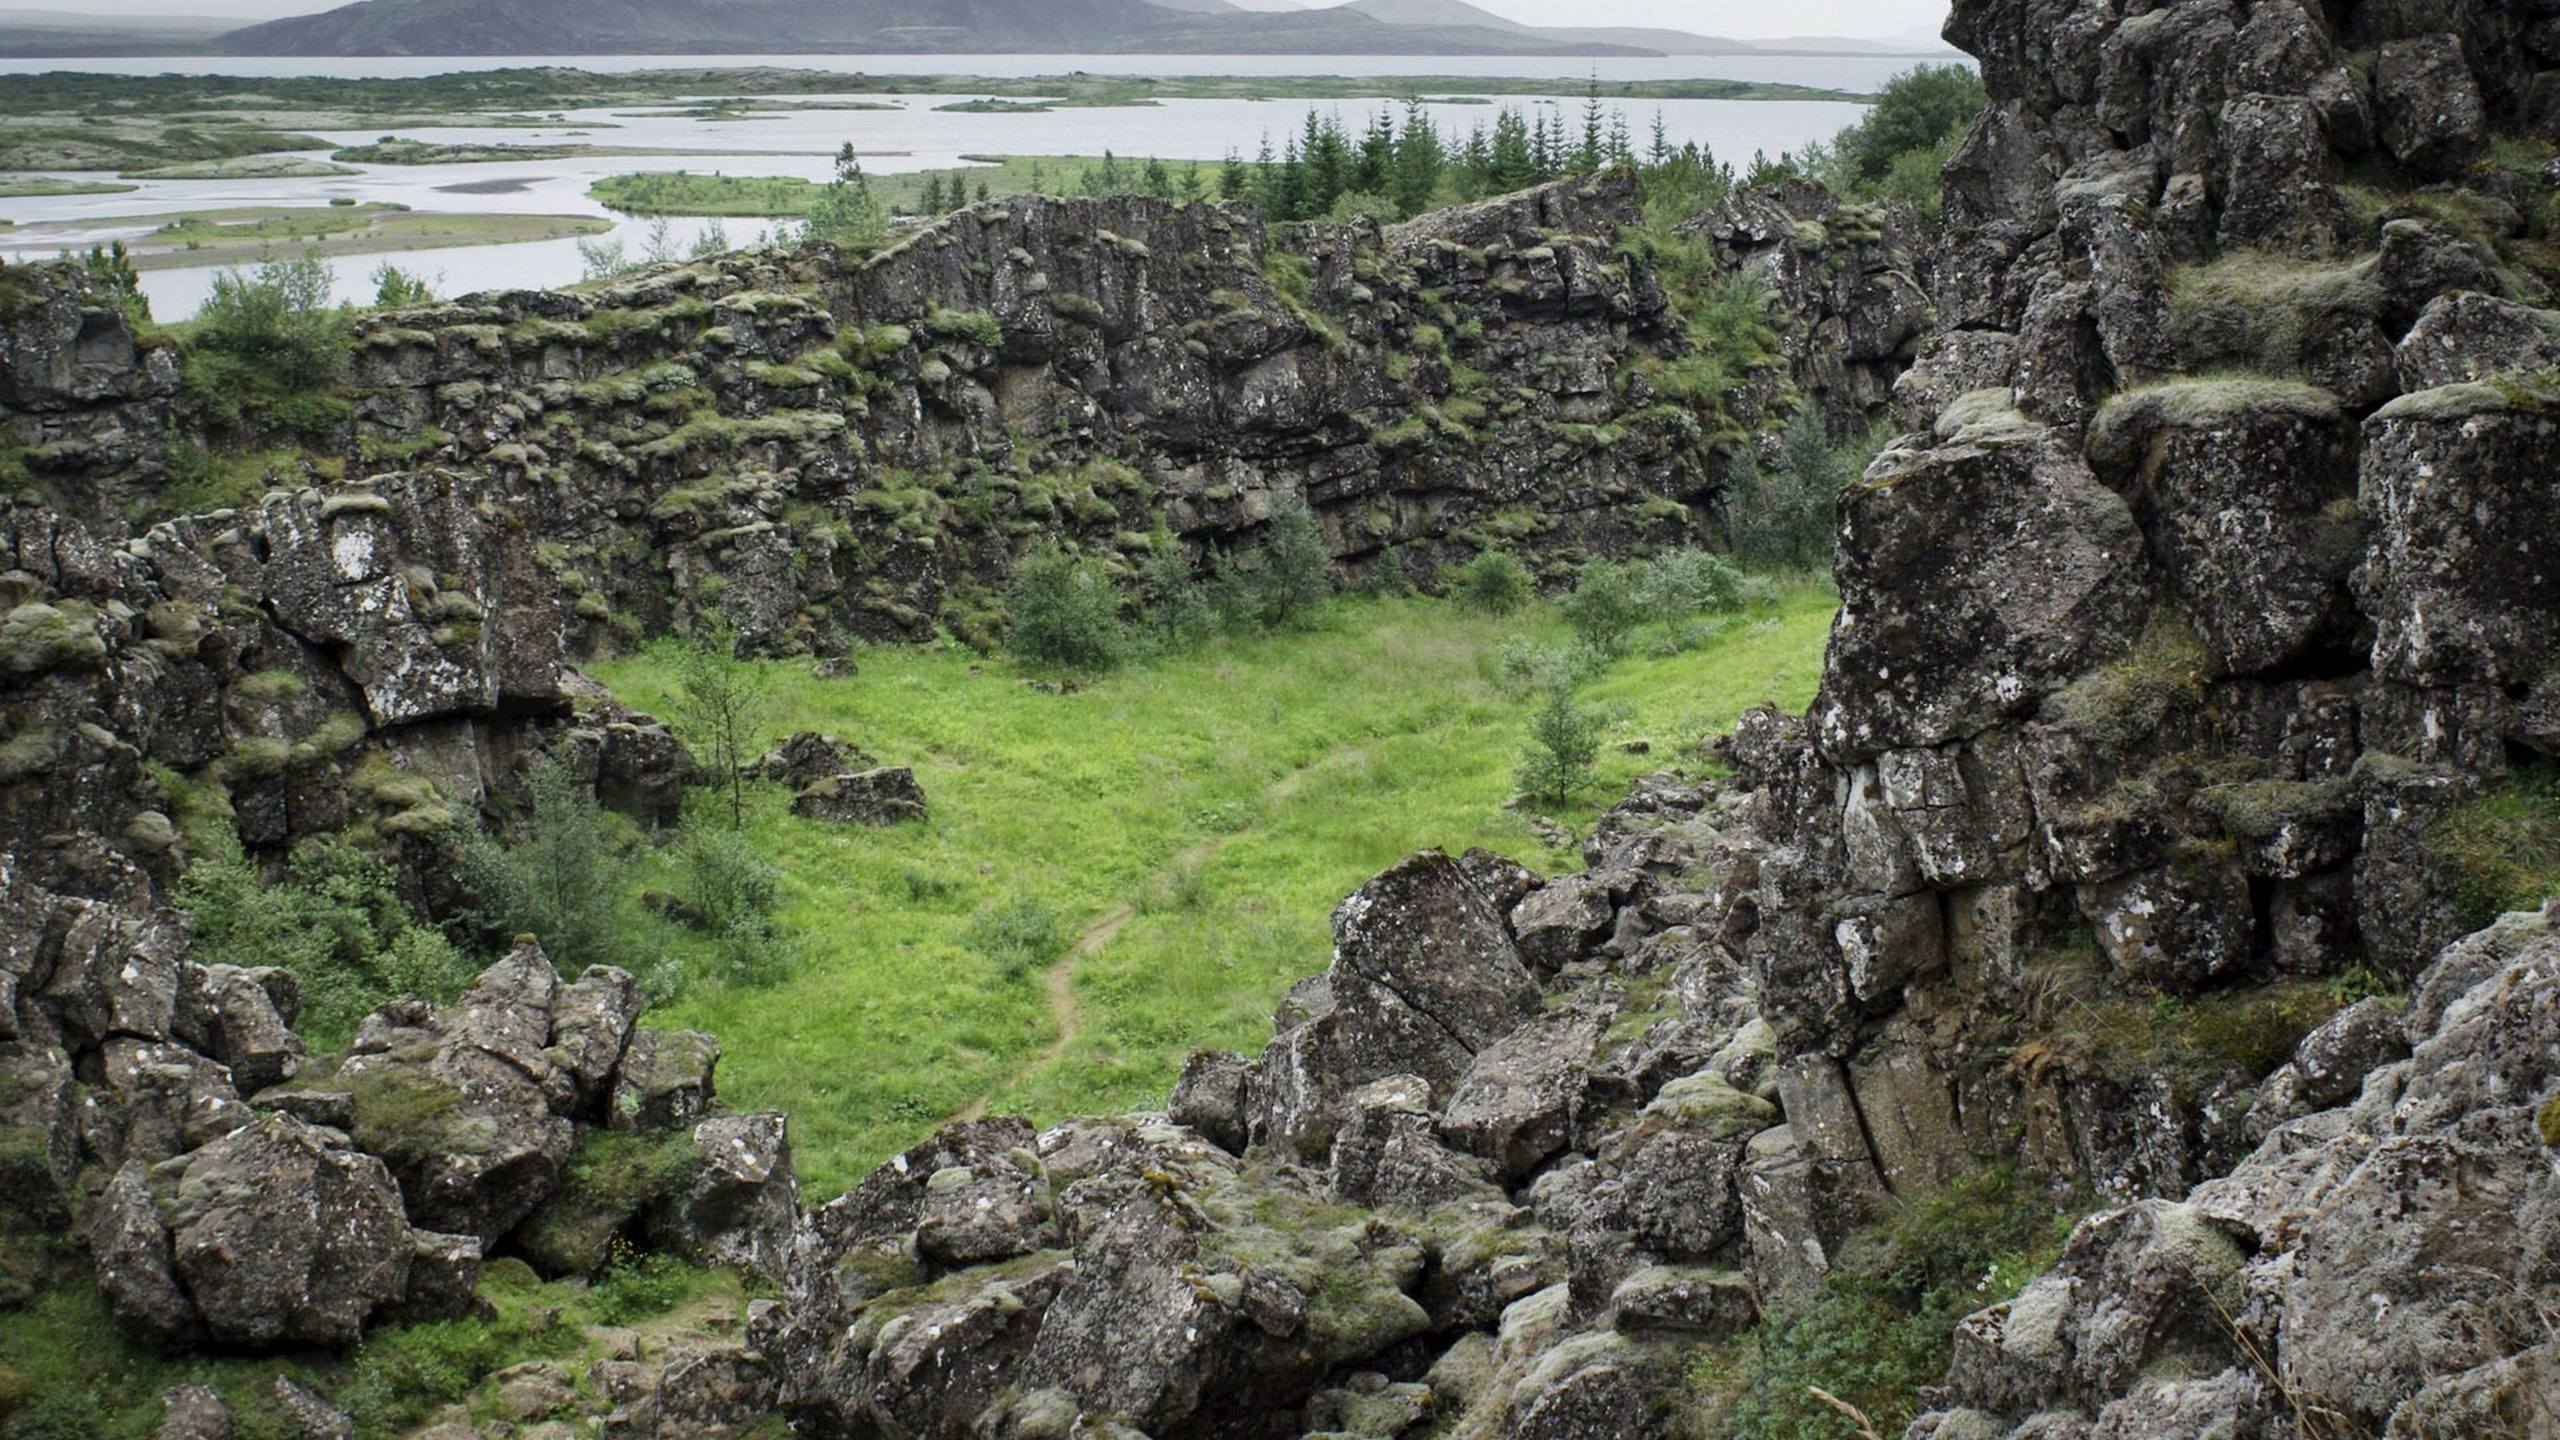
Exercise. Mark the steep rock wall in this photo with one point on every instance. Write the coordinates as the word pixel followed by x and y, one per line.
pixel 838 449
pixel 2210 585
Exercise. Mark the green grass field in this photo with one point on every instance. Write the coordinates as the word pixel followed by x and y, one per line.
pixel 784 197
pixel 246 235
pixel 1195 819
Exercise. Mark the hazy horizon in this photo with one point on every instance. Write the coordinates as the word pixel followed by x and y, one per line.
pixel 1851 19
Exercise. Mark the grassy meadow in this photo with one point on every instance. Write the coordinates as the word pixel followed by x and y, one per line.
pixel 1191 820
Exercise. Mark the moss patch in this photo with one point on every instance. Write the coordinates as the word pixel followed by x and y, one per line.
pixel 2267 313
pixel 2114 707
pixel 611 1178
pixel 2502 848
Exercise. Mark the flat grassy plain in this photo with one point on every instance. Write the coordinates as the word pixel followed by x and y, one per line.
pixel 785 197
pixel 1193 820
pixel 248 234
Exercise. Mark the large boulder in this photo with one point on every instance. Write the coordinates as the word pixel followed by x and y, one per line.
pixel 276 1235
pixel 1520 1099
pixel 2433 118
pixel 741 1204
pixel 2247 491
pixel 1980 569
pixel 1425 976
pixel 870 797
pixel 2459 582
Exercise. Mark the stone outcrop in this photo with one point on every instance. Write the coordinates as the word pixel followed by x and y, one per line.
pixel 1439 1152
pixel 887 795
pixel 2377 1264
pixel 89 400
pixel 1843 286
pixel 369 1189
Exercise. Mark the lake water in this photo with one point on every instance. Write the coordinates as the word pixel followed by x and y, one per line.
pixel 913 136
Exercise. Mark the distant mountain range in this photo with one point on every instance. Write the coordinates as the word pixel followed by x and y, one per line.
pixel 711 27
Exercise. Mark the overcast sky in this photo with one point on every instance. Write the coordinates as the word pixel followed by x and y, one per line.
pixel 1741 18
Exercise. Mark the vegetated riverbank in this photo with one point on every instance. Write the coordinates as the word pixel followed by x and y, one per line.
pixel 782 197
pixel 73 121
pixel 1230 795
pixel 240 236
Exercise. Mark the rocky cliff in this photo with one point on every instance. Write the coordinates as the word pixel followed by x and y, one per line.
pixel 838 450
pixel 2180 643
pixel 818 451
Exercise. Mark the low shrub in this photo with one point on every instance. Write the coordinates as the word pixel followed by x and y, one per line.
pixel 1019 935
pixel 1522 666
pixel 1494 582
pixel 1680 584
pixel 1064 613
pixel 1606 605
pixel 333 917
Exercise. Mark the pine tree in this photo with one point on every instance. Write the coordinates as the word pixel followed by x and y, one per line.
pixel 1418 162
pixel 1593 151
pixel 1377 157
pixel 1512 163
pixel 931 203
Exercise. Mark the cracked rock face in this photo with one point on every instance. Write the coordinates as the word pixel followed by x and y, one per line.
pixel 2382 1262
pixel 275 1234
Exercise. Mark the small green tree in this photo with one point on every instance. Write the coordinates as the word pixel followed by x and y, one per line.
pixel 394 288
pixel 1388 574
pixel 722 710
pixel 1178 610
pixel 111 268
pixel 1785 516
pixel 1563 749
pixel 845 212
pixel 1063 612
pixel 734 891
pixel 603 259
pixel 1494 582
pixel 1297 569
pixel 549 881
pixel 1921 109
pixel 1606 604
